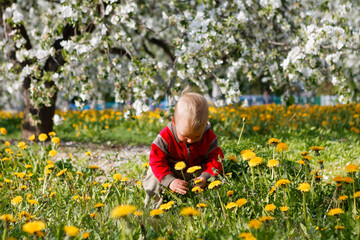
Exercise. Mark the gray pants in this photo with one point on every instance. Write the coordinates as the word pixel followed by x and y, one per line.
pixel 152 188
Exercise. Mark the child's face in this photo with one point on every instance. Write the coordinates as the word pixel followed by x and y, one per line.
pixel 185 134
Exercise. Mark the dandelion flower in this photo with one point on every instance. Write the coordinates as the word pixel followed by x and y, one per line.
pixel 304 187
pixel 180 166
pixel 7 218
pixel 270 207
pixel 156 212
pixel 197 189
pixel 247 236
pixel 72 231
pixel 189 211
pixel 193 169
pixel 241 202
pixel 229 193
pixel 33 227
pixel 201 205
pixel 122 211
pixel 266 218
pixel 284 208
pixel 52 134
pixel 337 179
pixel 338 227
pixel 165 206
pixel 343 197
pixel 351 168
pixel 42 137
pixel 3 131
pixel 282 183
pixel 117 177
pixel 32 138
pixel 214 184
pixel 273 163
pixel 52 153
pixel 93 166
pixel 347 180
pixel 273 142
pixel 231 205
pixel 305 153
pixel 138 213
pixel 85 235
pixel 16 200
pixel 99 205
pixel 33 201
pixel 281 147
pixel 301 162
pixel 232 158
pixel 55 140
pixel 255 161
pixel 145 165
pixel 61 172
pixel 247 155
pixel 335 211
pixel 255 224
pixel 357 194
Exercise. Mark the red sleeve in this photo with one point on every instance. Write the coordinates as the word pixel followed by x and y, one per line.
pixel 158 162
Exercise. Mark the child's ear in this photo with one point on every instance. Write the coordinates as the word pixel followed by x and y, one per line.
pixel 172 121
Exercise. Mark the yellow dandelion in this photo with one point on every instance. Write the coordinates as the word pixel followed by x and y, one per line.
pixel 229 193
pixel 255 161
pixel 255 224
pixel 357 194
pixel 247 236
pixel 145 165
pixel 189 211
pixel 284 208
pixel 156 212
pixel 99 205
pixel 232 158
pixel 7 218
pixel 193 169
pixel 165 206
pixel 42 137
pixel 241 202
pixel 335 211
pixel 339 227
pixel 16 200
pixel 52 134
pixel 52 153
pixel 72 231
pixel 273 142
pixel 61 172
pixel 33 201
pixel 24 214
pixel 138 213
pixel 55 140
pixel 347 180
pixel 122 211
pixel 316 148
pixel 337 179
pixel 93 166
pixel 117 177
pixel 305 153
pixel 33 227
pixel 351 168
pixel 3 131
pixel 247 155
pixel 304 187
pixel 343 197
pixel 231 205
pixel 270 207
pixel 197 189
pixel 301 162
pixel 93 215
pixel 282 183
pixel 214 184
pixel 281 147
pixel 180 166
pixel 266 218
pixel 85 235
pixel 273 163
pixel 32 138
pixel 201 205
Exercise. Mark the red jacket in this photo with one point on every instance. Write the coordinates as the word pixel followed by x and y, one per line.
pixel 167 150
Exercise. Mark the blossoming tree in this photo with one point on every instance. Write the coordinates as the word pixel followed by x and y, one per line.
pixel 141 50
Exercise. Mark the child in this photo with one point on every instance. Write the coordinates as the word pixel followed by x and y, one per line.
pixel 187 138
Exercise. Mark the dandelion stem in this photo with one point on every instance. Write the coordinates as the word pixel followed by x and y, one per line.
pixel 242 129
pixel 123 233
pixel 352 176
pixel 5 228
pixel 253 178
pixel 222 207
pixel 304 208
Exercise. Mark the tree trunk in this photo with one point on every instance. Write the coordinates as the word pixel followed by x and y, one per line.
pixel 36 121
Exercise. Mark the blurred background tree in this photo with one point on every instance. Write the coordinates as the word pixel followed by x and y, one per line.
pixel 141 52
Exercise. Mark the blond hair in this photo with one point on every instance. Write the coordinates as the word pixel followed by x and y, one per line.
pixel 194 109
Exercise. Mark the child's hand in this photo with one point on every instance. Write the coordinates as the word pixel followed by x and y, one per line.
pixel 203 182
pixel 179 186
